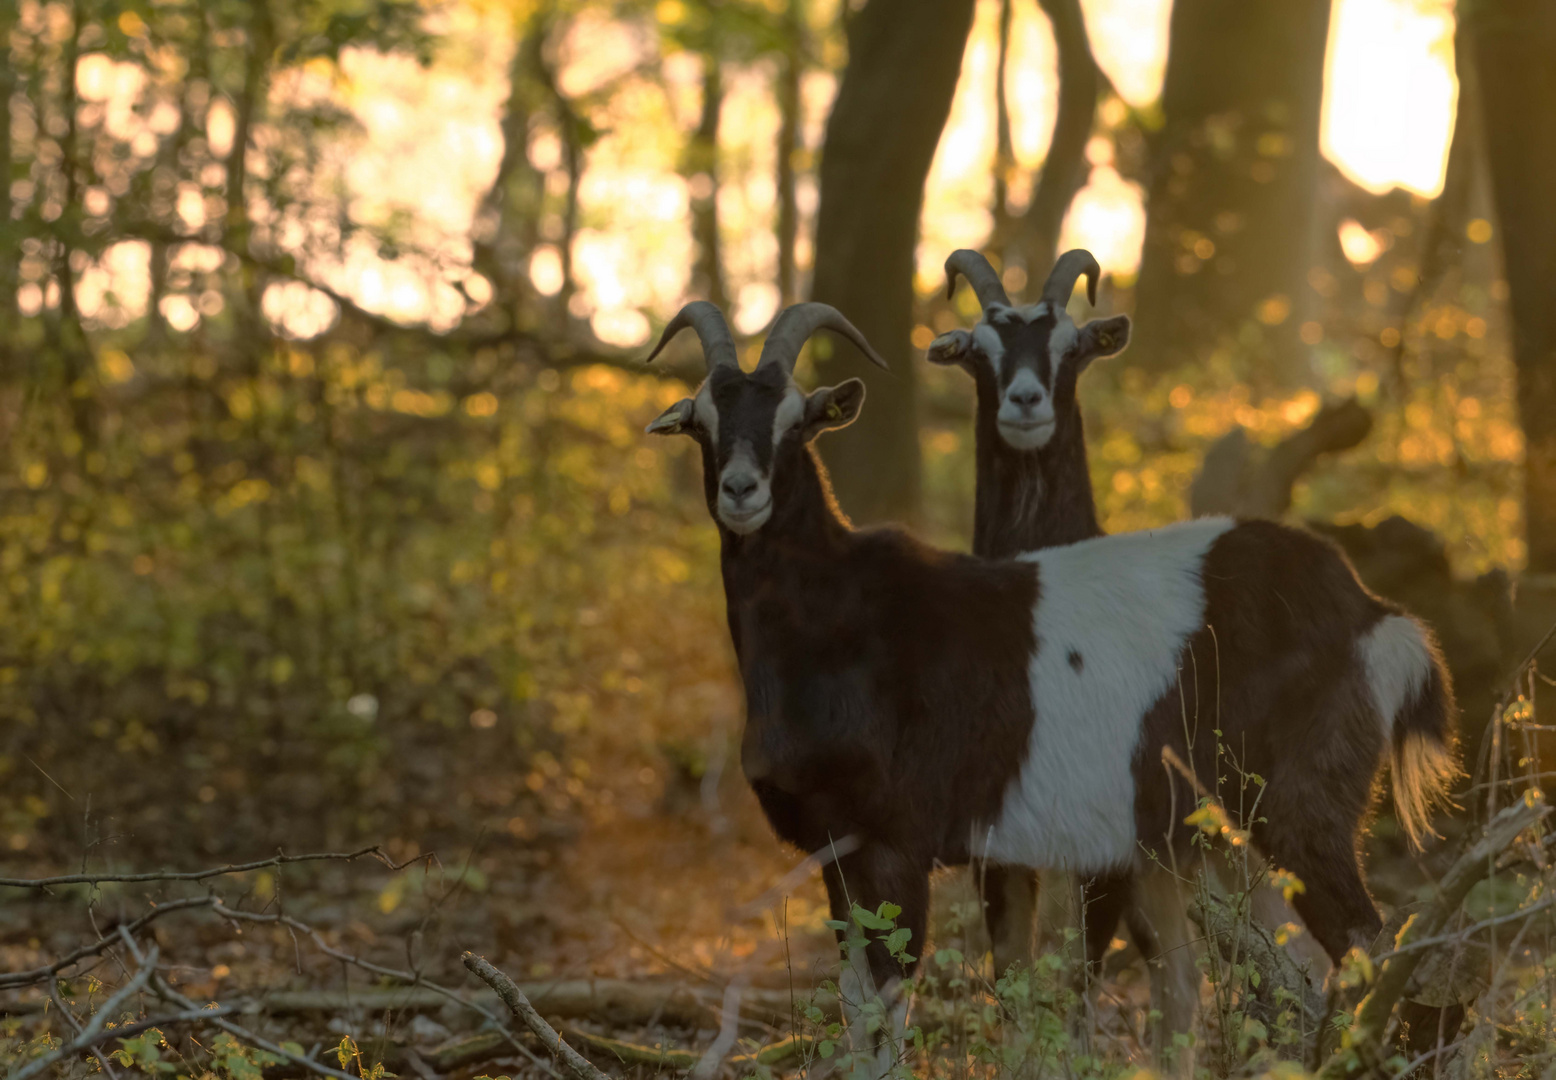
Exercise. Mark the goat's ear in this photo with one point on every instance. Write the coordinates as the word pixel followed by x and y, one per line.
pixel 831 407
pixel 673 420
pixel 953 347
pixel 1102 337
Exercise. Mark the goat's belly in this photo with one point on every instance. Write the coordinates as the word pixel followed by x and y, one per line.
pixel 1070 819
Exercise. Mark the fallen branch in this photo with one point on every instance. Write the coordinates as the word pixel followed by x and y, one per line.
pixel 201 875
pixel 519 1005
pixel 1373 1014
pixel 213 1016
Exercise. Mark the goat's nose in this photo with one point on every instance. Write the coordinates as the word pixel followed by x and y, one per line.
pixel 1025 397
pixel 738 487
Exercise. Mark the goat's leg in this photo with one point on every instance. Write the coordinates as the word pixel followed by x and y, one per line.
pixel 1161 915
pixel 1334 902
pixel 1010 912
pixel 872 986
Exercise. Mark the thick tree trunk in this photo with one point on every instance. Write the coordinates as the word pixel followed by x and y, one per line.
pixel 788 93
pixel 1064 171
pixel 1229 234
pixel 704 162
pixel 1514 42
pixel 904 59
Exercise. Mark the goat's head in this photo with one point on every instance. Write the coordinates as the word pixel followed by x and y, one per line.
pixel 1031 356
pixel 751 427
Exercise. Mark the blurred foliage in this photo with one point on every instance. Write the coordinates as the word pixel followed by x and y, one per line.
pixel 246 577
pixel 265 550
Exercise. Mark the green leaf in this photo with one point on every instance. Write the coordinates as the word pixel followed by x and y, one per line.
pixel 870 920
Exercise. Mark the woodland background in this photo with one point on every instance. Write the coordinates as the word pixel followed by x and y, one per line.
pixel 325 517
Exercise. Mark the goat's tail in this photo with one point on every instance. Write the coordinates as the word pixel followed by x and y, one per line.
pixel 1414 697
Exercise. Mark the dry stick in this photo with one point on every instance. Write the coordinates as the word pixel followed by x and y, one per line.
pixel 1460 935
pixel 514 998
pixel 1373 1014
pixel 92 1032
pixel 167 993
pixel 37 975
pixel 70 1018
pixel 201 875
pixel 407 977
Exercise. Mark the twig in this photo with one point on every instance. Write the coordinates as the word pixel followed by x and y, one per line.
pixel 92 1031
pixel 37 975
pixel 514 998
pixel 70 1018
pixel 201 875
pixel 167 993
pixel 406 977
pixel 1460 935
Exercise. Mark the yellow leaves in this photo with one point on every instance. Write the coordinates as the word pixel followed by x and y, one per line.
pixel 482 404
pixel 243 493
pixel 1274 310
pixel 35 474
pixel 1288 883
pixel 1287 932
pixel 115 366
pixel 1356 967
pixel 1213 821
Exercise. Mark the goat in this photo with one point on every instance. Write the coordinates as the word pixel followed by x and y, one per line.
pixel 941 708
pixel 1032 490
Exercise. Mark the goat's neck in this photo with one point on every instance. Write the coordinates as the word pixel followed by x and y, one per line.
pixel 1027 500
pixel 806 534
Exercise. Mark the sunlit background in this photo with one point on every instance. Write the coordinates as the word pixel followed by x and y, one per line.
pixel 430 142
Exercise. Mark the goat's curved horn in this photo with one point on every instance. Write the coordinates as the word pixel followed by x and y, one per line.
pixel 795 326
pixel 979 274
pixel 718 345
pixel 1069 268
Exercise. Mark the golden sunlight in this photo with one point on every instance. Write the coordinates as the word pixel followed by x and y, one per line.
pixel 1390 92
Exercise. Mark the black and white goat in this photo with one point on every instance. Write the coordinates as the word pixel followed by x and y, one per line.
pixel 1032 490
pixel 941 707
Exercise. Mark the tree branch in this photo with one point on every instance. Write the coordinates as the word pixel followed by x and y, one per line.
pixel 519 1005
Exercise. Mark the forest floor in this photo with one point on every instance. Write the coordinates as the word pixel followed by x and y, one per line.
pixel 671 883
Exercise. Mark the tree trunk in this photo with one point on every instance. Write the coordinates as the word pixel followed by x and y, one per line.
pixel 904 59
pixel 1229 234
pixel 510 209
pixel 1064 170
pixel 1004 148
pixel 704 162
pixel 1514 41
pixel 793 66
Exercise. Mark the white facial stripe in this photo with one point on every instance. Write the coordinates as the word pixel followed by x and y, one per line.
pixel 791 410
pixel 988 341
pixel 1123 607
pixel 705 412
pixel 1061 341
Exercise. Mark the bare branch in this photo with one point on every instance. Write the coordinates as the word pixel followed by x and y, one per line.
pixel 92 1032
pixel 102 944
pixel 201 875
pixel 514 998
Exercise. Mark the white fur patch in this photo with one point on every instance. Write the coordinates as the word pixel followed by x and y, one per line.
pixel 790 411
pixel 1398 663
pixel 1060 341
pixel 988 341
pixel 1126 605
